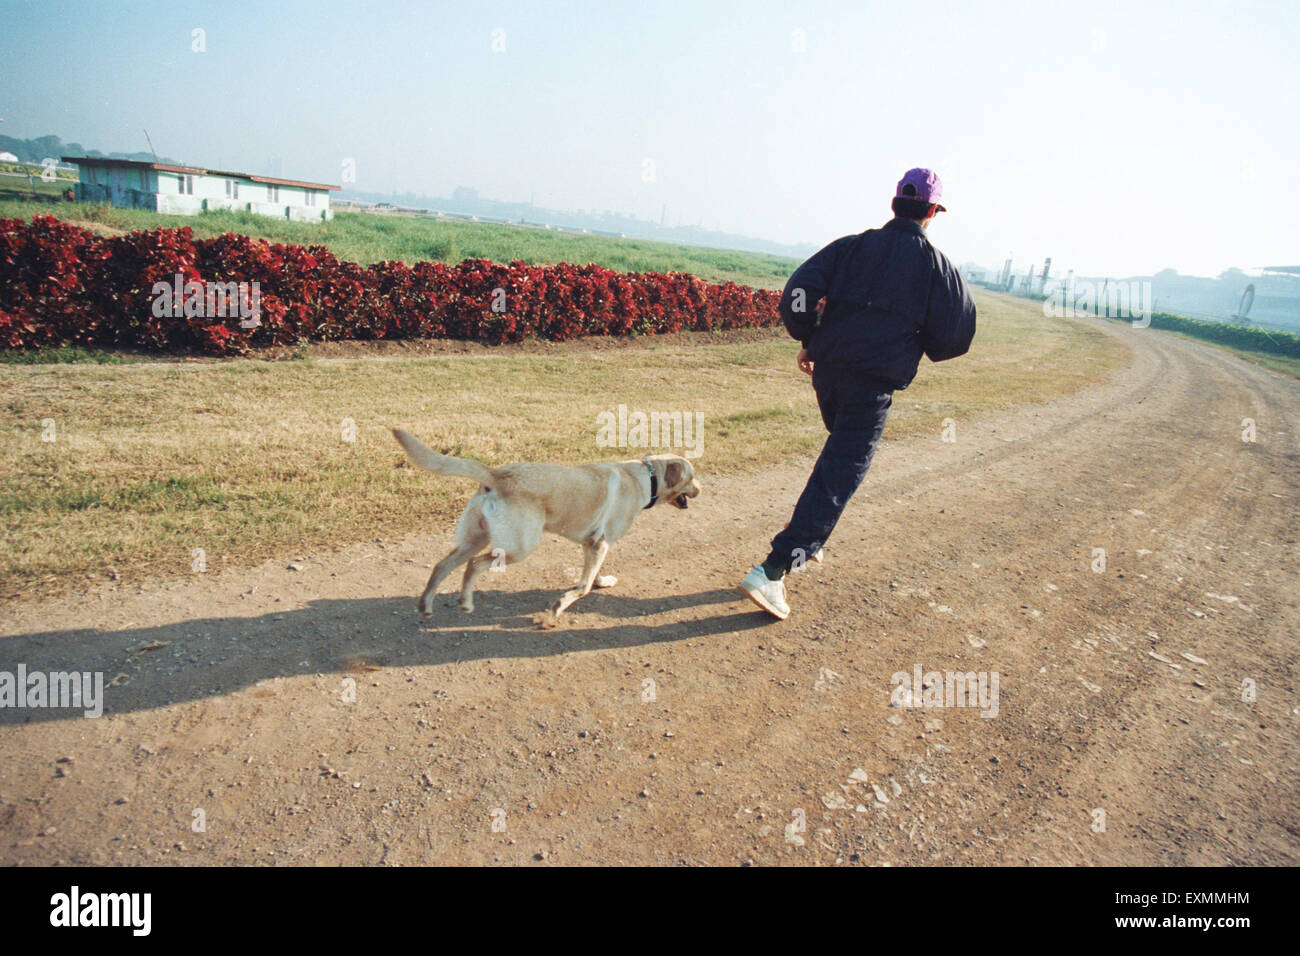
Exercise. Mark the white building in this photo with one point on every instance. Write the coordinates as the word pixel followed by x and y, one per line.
pixel 186 190
pixel 8 158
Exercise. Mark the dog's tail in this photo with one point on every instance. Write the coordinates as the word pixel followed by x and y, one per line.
pixel 428 459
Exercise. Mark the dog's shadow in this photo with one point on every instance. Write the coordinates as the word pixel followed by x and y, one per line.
pixel 151 667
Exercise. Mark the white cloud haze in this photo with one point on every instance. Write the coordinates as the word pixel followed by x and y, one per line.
pixel 1116 140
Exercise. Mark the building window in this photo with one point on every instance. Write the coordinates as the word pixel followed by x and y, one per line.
pixel 185 185
pixel 232 189
pixel 311 197
pixel 272 193
pixel 144 181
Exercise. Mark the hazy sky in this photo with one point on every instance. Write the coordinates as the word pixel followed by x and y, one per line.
pixel 1118 138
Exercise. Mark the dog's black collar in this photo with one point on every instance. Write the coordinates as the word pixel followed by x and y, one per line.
pixel 654 484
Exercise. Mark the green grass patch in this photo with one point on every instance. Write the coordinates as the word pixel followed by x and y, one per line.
pixel 759 415
pixel 62 355
pixel 367 238
pixel 1248 338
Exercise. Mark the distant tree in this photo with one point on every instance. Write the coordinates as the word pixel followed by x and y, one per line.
pixel 35 150
pixel 48 145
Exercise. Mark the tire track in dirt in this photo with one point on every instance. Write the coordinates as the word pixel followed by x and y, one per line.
pixel 972 556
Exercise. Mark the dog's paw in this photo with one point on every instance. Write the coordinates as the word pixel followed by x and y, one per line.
pixel 606 581
pixel 425 608
pixel 546 620
pixel 467 606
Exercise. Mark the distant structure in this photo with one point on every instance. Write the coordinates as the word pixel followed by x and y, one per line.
pixel 186 190
pixel 1247 300
pixel 8 158
pixel 465 203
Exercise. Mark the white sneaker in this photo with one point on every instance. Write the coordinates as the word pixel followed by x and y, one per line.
pixel 819 555
pixel 769 595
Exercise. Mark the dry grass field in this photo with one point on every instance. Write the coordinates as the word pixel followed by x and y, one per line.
pixel 152 462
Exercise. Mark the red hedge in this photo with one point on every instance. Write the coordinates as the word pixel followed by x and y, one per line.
pixel 63 284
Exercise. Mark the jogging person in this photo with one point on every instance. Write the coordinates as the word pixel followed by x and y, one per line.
pixel 890 296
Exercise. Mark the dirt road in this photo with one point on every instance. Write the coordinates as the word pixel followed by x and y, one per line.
pixel 1147 708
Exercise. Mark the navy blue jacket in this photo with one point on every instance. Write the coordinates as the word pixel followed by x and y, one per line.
pixel 890 297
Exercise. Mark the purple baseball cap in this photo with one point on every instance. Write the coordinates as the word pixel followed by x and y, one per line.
pixel 922 184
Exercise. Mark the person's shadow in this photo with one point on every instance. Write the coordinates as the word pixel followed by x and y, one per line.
pixel 152 667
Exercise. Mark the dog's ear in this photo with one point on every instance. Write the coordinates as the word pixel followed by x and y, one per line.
pixel 673 474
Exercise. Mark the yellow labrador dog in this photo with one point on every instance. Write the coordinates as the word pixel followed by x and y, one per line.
pixel 593 505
